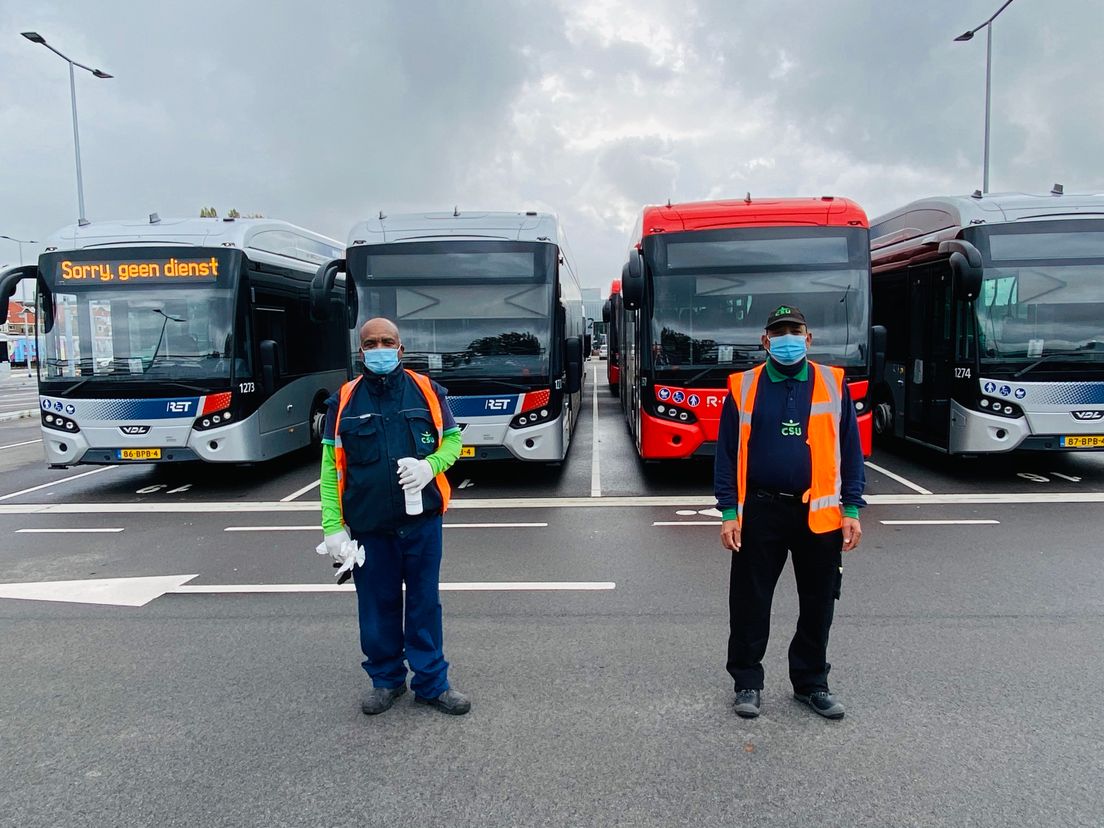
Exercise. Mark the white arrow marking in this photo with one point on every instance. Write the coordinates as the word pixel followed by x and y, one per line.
pixel 316 528
pixel 463 586
pixel 119 592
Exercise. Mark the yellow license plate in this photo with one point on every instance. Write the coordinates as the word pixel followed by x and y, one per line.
pixel 467 451
pixel 1083 441
pixel 139 454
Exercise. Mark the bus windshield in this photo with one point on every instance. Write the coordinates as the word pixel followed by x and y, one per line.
pixel 464 309
pixel 110 326
pixel 713 290
pixel 1042 292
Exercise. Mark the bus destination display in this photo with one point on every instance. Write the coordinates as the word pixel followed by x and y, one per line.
pixel 139 271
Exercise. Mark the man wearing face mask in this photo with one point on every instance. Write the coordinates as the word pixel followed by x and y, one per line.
pixel 788 478
pixel 388 440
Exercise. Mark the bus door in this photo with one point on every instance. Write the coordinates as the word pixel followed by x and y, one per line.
pixel 928 371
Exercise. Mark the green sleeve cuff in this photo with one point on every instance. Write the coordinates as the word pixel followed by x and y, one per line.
pixel 447 453
pixel 327 487
pixel 728 514
pixel 851 511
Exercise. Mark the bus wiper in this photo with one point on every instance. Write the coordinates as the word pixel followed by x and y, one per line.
pixel 161 337
pixel 1047 357
pixel 744 353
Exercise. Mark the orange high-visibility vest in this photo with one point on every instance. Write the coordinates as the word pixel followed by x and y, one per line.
pixel 823 495
pixel 432 403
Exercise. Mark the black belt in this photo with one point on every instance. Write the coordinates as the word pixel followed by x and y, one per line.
pixel 777 497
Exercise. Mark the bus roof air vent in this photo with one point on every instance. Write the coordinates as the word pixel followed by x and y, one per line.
pixel 382 216
pixel 227 218
pixel 456 210
pixel 530 212
pixel 747 198
pixel 975 194
pixel 154 218
pixel 1057 189
pixel 359 241
pixel 83 222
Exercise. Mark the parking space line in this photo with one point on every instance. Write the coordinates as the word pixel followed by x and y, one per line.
pixel 462 586
pixel 56 482
pixel 939 522
pixel 899 479
pixel 59 531
pixel 25 443
pixel 300 492
pixel 317 528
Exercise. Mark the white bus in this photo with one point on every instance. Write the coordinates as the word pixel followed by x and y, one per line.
pixel 170 340
pixel 489 305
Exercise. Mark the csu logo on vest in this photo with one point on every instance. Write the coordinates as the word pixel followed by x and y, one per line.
pixel 791 428
pixel 427 438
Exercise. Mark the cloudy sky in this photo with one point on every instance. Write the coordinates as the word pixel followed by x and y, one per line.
pixel 324 112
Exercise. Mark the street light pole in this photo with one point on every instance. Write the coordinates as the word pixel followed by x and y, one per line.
pixel 35 37
pixel 988 26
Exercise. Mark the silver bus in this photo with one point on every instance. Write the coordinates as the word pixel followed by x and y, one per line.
pixel 170 340
pixel 490 306
pixel 994 314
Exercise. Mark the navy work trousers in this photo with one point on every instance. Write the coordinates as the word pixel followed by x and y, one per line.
pixel 770 529
pixel 392 559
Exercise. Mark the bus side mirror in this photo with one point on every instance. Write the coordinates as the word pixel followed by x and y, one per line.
pixel 606 311
pixel 9 280
pixel 632 281
pixel 270 365
pixel 321 287
pixel 965 262
pixel 573 356
pixel 878 338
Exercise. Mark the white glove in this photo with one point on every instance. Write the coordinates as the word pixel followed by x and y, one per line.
pixel 334 546
pixel 353 556
pixel 414 474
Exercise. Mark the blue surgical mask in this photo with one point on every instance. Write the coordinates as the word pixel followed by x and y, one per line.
pixel 788 349
pixel 381 360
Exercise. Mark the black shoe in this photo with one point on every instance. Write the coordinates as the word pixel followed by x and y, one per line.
pixel 379 699
pixel 452 702
pixel 823 703
pixel 747 703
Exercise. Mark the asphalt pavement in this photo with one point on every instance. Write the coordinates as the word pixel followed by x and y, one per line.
pixel 586 615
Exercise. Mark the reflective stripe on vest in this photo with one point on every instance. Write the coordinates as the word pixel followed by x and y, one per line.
pixel 823 494
pixel 432 403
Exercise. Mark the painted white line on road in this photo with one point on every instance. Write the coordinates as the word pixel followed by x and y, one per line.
pixel 57 531
pixel 898 478
pixel 317 528
pixel 686 523
pixel 25 443
pixel 940 522
pixel 595 467
pixel 119 592
pixel 222 507
pixel 471 586
pixel 296 494
pixel 62 480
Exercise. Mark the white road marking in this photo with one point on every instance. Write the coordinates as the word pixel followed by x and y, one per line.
pixel 17 445
pixel 1067 477
pixel 686 523
pixel 939 522
pixel 121 592
pixel 687 512
pixel 57 531
pixel 316 528
pixel 595 466
pixel 222 507
pixel 899 479
pixel 470 586
pixel 299 492
pixel 56 482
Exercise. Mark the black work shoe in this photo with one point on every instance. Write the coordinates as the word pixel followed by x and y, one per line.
pixel 452 702
pixel 379 699
pixel 747 703
pixel 823 703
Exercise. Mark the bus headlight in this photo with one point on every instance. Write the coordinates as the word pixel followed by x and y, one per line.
pixel 59 423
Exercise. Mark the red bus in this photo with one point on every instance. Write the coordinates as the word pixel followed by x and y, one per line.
pixel 695 293
pixel 611 315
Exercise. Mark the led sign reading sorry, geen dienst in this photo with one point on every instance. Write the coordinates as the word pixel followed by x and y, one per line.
pixel 139 271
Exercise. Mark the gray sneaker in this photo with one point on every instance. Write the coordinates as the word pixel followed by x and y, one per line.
pixel 451 701
pixel 379 699
pixel 823 703
pixel 747 703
